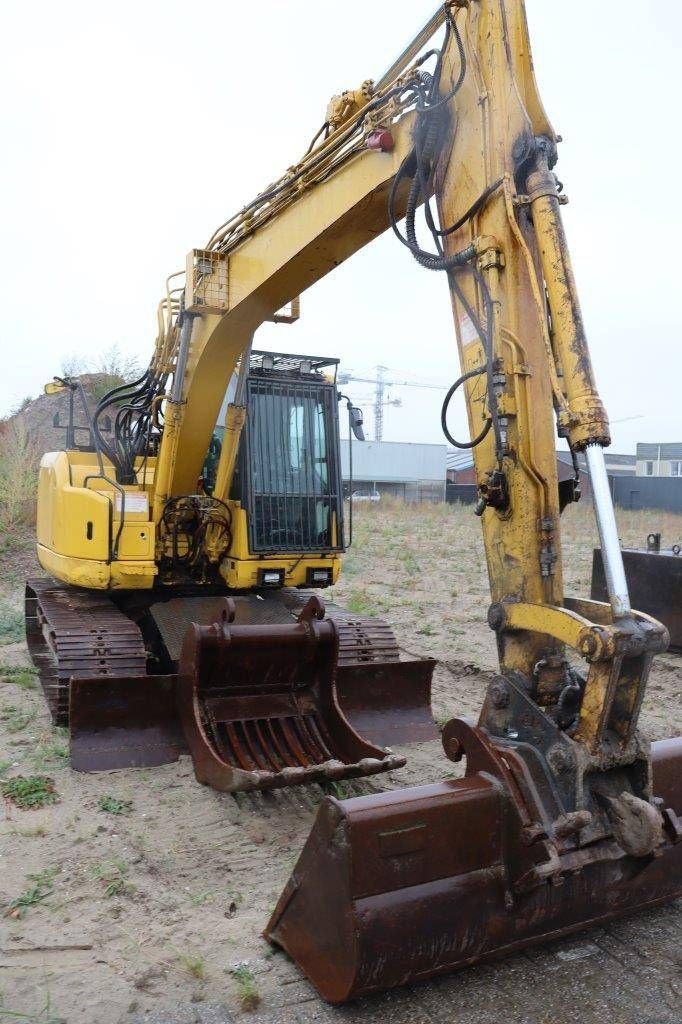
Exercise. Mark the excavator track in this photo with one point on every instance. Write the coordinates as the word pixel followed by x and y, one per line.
pixel 74 633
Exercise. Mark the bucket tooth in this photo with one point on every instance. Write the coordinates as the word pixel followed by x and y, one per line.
pixel 259 706
pixel 420 882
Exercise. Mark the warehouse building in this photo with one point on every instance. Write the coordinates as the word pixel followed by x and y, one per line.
pixel 413 472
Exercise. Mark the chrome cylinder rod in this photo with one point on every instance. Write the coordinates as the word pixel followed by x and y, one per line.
pixel 612 556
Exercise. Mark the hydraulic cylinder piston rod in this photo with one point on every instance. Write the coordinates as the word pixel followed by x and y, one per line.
pixel 614 570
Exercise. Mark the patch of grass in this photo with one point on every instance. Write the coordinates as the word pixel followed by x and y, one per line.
pixel 15 718
pixel 247 989
pixel 410 563
pixel 341 790
pixel 113 875
pixel 194 965
pixel 5 767
pixel 41 888
pixel 198 899
pixel 426 630
pixel 113 806
pixel 30 792
pixel 29 833
pixel 19 675
pixel 360 603
pixel 52 750
pixel 11 624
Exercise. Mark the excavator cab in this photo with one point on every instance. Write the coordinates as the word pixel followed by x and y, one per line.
pixel 288 471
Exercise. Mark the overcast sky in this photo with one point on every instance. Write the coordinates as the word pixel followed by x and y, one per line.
pixel 131 130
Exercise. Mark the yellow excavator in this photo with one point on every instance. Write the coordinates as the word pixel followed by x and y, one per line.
pixel 565 815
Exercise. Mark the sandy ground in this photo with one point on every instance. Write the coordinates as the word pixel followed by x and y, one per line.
pixel 150 912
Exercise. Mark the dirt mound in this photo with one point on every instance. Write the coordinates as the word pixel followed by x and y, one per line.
pixel 43 420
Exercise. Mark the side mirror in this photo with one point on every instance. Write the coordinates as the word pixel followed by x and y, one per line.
pixel 356 421
pixel 55 387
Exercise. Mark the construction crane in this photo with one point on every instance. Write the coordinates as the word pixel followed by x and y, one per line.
pixel 380 403
pixel 565 816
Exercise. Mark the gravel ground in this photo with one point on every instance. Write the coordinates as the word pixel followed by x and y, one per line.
pixel 145 915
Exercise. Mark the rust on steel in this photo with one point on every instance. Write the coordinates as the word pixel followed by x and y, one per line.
pixel 423 881
pixel 654 578
pixel 283 694
pixel 75 634
pixel 258 705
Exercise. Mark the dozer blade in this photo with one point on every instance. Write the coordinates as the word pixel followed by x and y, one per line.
pixel 124 722
pixel 259 706
pixel 427 880
pixel 389 704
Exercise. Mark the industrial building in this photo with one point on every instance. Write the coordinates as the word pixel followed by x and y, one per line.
pixel 413 472
pixel 659 459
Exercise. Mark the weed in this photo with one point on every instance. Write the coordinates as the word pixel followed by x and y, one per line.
pixel 341 790
pixel 113 875
pixel 5 767
pixel 247 989
pixel 11 625
pixel 29 833
pixel 30 792
pixel 410 563
pixel 52 750
pixel 41 888
pixel 15 719
pixel 198 899
pixel 19 675
pixel 194 965
pixel 426 630
pixel 113 806
pixel 360 603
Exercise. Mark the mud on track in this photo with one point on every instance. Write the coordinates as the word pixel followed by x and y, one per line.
pixel 150 911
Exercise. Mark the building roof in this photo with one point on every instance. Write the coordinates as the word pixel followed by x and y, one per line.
pixel 459 460
pixel 667 450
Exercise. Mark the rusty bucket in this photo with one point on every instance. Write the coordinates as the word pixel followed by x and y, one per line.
pixel 259 708
pixel 424 881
